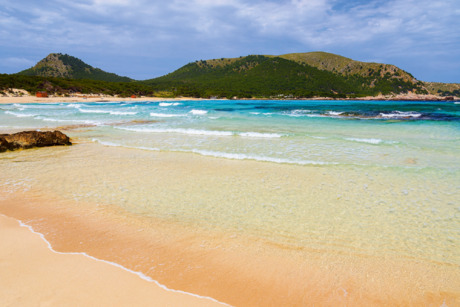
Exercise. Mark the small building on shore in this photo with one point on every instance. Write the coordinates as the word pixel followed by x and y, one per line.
pixel 41 94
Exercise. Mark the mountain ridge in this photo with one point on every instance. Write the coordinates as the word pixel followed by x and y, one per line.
pixel 293 75
pixel 290 75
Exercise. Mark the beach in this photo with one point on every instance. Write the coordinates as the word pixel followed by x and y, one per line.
pixel 33 274
pixel 81 98
pixel 185 207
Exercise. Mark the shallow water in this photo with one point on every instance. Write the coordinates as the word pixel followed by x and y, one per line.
pixel 356 178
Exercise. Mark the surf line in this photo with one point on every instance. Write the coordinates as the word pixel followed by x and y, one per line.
pixel 139 274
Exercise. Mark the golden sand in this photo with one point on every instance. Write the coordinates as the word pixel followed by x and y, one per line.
pixel 33 275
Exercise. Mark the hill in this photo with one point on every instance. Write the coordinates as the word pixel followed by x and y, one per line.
pixel 69 67
pixel 295 75
pixel 443 89
pixel 290 75
pixel 347 67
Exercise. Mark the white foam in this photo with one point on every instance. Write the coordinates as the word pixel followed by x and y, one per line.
pixel 238 156
pixel 298 113
pixel 167 104
pixel 166 115
pixel 399 114
pixel 20 114
pixel 369 141
pixel 107 112
pixel 261 135
pixel 225 155
pixel 199 112
pixel 180 130
pixel 74 121
pixel 73 105
pixel 334 113
pixel 139 274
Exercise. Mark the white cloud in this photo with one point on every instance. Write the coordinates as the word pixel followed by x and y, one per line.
pixel 190 28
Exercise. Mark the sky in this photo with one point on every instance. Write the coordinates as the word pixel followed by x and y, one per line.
pixel 143 39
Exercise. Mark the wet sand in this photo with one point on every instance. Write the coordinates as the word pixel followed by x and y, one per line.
pixel 33 275
pixel 238 269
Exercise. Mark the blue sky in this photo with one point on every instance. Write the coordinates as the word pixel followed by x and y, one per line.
pixel 147 38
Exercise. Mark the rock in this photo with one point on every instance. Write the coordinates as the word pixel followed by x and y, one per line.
pixel 31 139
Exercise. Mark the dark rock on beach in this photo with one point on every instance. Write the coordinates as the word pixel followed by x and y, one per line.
pixel 31 139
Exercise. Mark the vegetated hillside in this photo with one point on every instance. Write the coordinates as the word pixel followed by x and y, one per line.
pixel 66 66
pixel 443 89
pixel 295 75
pixel 286 76
pixel 345 66
pixel 62 86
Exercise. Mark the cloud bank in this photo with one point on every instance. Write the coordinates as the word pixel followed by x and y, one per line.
pixel 143 39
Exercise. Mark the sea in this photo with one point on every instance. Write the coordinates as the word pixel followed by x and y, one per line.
pixel 353 177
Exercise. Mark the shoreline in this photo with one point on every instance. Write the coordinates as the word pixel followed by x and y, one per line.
pixel 91 98
pixel 34 273
pixel 218 263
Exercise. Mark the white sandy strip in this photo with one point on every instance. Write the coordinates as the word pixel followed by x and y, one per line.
pixel 33 273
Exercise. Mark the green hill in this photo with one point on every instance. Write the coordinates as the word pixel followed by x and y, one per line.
pixel 69 67
pixel 345 66
pixel 443 89
pixel 295 75
pixel 290 75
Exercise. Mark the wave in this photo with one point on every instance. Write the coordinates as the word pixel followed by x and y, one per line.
pixel 180 130
pixel 237 156
pixel 399 114
pixel 298 113
pixel 166 115
pixel 203 132
pixel 20 114
pixel 198 112
pixel 225 155
pixel 107 112
pixel 167 104
pixel 74 105
pixel 334 113
pixel 370 141
pixel 74 121
pixel 261 135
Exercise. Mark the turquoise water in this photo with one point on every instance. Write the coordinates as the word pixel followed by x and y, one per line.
pixel 355 176
pixel 389 134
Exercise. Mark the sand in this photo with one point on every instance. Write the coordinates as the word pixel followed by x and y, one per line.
pixel 31 274
pixel 81 99
pixel 95 98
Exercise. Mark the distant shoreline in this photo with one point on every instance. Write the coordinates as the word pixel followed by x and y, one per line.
pixel 104 98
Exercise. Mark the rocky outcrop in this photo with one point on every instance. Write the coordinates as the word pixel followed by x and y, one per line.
pixel 31 139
